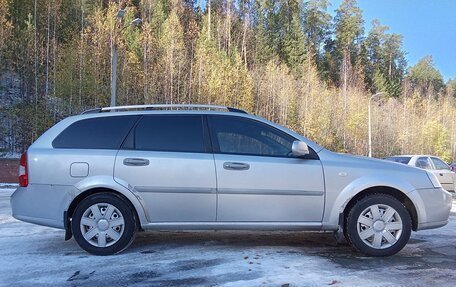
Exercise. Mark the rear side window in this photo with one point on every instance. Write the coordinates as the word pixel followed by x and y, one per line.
pixel 400 159
pixel 423 162
pixel 95 133
pixel 183 133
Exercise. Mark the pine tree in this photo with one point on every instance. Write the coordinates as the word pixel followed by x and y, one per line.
pixel 316 25
pixel 5 33
pixel 294 50
pixel 348 30
pixel 266 29
pixel 425 77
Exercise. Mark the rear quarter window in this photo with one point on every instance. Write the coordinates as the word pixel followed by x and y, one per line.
pixel 95 133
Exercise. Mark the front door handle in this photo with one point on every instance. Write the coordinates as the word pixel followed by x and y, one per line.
pixel 236 166
pixel 136 161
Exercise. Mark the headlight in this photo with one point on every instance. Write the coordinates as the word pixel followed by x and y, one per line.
pixel 435 181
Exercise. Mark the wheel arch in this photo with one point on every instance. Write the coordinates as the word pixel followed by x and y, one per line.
pixel 396 193
pixel 86 190
pixel 78 199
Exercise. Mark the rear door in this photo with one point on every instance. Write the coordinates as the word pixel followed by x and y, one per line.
pixel 167 159
pixel 258 178
pixel 444 173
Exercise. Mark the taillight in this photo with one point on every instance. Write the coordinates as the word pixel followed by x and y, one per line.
pixel 23 170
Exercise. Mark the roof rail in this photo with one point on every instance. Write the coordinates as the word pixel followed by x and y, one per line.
pixel 91 111
pixel 163 107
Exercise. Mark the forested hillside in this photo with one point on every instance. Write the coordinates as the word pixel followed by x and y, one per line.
pixel 291 61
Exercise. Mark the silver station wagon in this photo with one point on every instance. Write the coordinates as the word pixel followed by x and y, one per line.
pixel 110 172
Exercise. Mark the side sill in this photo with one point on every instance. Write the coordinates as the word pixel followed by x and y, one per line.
pixel 431 225
pixel 329 227
pixel 269 226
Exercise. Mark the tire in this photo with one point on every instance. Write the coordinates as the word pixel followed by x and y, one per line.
pixel 378 225
pixel 104 224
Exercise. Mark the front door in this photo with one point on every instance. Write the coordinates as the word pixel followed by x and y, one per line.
pixel 258 178
pixel 167 160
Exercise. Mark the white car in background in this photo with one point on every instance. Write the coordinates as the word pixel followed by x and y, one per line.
pixel 432 163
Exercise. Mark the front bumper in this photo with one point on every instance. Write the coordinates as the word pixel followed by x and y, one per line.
pixel 433 206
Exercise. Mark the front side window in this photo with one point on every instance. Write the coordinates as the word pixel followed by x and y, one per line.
pixel 236 135
pixel 182 133
pixel 423 162
pixel 95 133
pixel 439 164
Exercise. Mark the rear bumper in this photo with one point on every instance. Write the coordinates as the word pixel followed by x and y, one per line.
pixel 449 186
pixel 433 206
pixel 41 204
pixel 40 221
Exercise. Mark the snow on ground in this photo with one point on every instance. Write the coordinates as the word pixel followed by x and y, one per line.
pixel 38 256
pixel 10 155
pixel 4 186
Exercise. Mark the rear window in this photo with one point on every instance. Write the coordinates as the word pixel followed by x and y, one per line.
pixel 400 159
pixel 95 133
pixel 183 133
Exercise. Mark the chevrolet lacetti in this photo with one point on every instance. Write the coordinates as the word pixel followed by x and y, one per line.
pixel 110 172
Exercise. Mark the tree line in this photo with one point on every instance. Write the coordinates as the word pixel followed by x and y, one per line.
pixel 291 61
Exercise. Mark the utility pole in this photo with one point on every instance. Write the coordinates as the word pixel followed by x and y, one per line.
pixel 113 74
pixel 114 45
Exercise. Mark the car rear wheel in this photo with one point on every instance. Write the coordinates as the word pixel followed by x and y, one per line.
pixel 103 224
pixel 378 225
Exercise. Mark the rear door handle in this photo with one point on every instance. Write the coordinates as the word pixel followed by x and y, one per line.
pixel 136 161
pixel 236 166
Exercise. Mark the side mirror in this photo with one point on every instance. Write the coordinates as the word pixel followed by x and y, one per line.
pixel 299 148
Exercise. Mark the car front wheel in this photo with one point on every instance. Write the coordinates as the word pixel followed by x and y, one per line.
pixel 103 224
pixel 378 225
